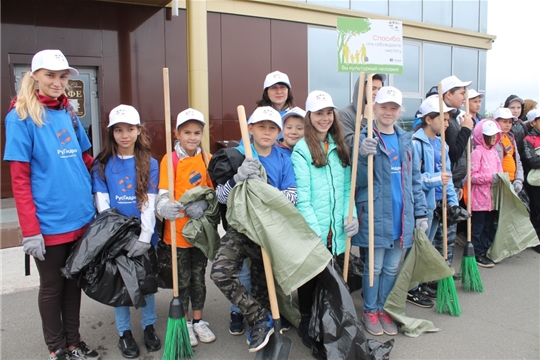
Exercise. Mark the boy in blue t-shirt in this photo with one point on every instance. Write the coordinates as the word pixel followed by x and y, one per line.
pixel 227 167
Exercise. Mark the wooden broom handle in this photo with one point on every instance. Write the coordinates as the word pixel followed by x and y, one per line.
pixel 469 223
pixel 443 171
pixel 371 223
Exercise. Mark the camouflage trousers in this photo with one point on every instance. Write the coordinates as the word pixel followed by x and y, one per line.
pixel 234 248
pixel 191 277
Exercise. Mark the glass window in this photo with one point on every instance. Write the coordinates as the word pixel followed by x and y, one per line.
pixel 438 64
pixel 322 68
pixel 406 9
pixel 409 81
pixel 371 6
pixel 437 12
pixel 466 14
pixel 482 70
pixel 483 15
pixel 331 3
pixel 410 106
pixel 466 65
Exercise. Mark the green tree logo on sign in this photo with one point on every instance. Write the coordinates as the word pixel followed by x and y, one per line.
pixel 347 28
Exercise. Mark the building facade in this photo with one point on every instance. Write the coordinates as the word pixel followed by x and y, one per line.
pixel 120 48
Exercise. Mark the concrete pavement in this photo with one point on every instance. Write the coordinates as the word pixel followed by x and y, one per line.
pixel 501 323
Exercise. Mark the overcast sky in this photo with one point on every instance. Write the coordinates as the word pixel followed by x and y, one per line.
pixel 513 64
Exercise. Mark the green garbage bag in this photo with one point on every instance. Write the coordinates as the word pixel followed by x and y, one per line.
pixel 202 233
pixel 515 231
pixel 423 264
pixel 268 218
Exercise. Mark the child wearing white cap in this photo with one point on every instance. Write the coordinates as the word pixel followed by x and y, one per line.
pixel 125 169
pixel 277 92
pixel 519 129
pixel 485 164
pixel 227 168
pixel 322 158
pixel 189 172
pixel 507 148
pixel 531 160
pixel 399 204
pixel 293 130
pixel 475 104
pixel 47 147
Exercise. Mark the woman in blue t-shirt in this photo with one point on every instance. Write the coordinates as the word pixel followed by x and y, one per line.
pixel 396 212
pixel 47 149
pixel 126 177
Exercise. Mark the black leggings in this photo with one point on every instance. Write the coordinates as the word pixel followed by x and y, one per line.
pixel 305 296
pixel 59 299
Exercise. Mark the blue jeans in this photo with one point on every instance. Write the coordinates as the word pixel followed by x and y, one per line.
pixel 385 272
pixel 483 230
pixel 245 278
pixel 451 238
pixel 123 317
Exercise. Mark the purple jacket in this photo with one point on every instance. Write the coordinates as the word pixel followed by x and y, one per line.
pixel 484 163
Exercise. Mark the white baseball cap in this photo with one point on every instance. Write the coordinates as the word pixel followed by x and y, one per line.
pixel 276 77
pixel 503 113
pixel 265 113
pixel 533 115
pixel 124 114
pixel 451 82
pixel 431 104
pixel 389 94
pixel 189 114
pixel 318 100
pixel 490 128
pixel 474 94
pixel 295 111
pixel 52 60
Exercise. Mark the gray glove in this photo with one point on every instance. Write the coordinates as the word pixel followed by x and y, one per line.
pixel 171 210
pixel 368 147
pixel 494 179
pixel 34 246
pixel 518 186
pixel 196 209
pixel 138 248
pixel 256 177
pixel 351 228
pixel 250 166
pixel 422 223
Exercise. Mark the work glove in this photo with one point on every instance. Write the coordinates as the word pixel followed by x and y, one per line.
pixel 495 179
pixel 422 223
pixel 34 246
pixel 518 186
pixel 351 228
pixel 368 147
pixel 256 177
pixel 196 209
pixel 171 210
pixel 250 166
pixel 138 248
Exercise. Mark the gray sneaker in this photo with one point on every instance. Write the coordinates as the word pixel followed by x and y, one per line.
pixel 372 323
pixel 388 325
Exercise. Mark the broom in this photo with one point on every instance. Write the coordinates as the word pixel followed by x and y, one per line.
pixel 447 300
pixel 177 344
pixel 470 276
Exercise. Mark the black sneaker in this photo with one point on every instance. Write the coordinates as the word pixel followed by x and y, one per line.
pixel 151 340
pixel 303 330
pixel 128 346
pixel 259 335
pixel 428 292
pixel 59 354
pixel 484 261
pixel 236 327
pixel 415 297
pixel 82 351
pixel 285 324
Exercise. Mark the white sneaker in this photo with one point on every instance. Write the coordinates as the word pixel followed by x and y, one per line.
pixel 192 338
pixel 203 331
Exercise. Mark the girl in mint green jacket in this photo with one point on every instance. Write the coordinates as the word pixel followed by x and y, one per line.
pixel 323 179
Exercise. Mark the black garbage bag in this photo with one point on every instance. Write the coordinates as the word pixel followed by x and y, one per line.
pixel 101 267
pixel 356 271
pixel 454 214
pixel 164 263
pixel 335 326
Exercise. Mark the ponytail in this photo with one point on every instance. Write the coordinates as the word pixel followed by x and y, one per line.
pixel 27 104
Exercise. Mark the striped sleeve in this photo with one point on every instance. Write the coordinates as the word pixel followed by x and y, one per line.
pixel 290 193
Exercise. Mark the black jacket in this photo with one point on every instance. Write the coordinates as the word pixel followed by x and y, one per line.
pixel 456 138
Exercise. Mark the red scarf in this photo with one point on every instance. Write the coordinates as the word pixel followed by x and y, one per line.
pixel 56 104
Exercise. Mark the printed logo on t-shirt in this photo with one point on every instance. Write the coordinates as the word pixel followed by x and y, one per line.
pixel 195 178
pixel 394 161
pixel 125 184
pixel 64 138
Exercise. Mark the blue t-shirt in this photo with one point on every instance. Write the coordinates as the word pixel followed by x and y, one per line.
pixel 436 144
pixel 391 143
pixel 284 150
pixel 60 181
